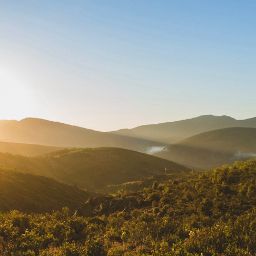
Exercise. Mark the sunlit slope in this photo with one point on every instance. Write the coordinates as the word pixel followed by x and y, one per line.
pixel 44 132
pixel 25 149
pixel 171 132
pixel 214 148
pixel 32 193
pixel 231 190
pixel 92 169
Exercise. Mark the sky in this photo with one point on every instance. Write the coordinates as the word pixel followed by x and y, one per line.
pixel 110 64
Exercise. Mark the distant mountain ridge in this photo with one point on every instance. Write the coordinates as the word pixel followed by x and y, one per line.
pixel 227 139
pixel 171 132
pixel 201 142
pixel 141 138
pixel 213 148
pixel 44 132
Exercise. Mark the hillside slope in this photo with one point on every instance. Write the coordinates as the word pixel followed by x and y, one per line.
pixel 25 149
pixel 44 132
pixel 172 132
pixel 211 213
pixel 206 214
pixel 92 168
pixel 31 193
pixel 235 139
pixel 213 148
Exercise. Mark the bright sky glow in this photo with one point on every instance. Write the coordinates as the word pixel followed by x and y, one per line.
pixel 15 95
pixel 114 64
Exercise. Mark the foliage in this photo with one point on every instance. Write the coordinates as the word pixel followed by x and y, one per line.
pixel 205 214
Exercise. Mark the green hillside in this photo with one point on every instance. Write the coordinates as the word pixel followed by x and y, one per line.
pixel 211 214
pixel 25 149
pixel 213 148
pixel 32 193
pixel 44 132
pixel 92 168
pixel 172 132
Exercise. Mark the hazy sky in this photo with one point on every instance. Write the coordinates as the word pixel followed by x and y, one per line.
pixel 111 64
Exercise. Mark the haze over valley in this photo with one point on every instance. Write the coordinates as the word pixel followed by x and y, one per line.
pixel 201 142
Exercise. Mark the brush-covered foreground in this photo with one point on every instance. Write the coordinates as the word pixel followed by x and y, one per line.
pixel 206 214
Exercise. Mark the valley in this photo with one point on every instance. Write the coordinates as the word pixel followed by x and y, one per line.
pixel 137 198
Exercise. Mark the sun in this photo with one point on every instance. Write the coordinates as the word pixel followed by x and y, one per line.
pixel 15 96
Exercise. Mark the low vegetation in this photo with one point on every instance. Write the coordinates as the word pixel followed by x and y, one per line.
pixel 206 214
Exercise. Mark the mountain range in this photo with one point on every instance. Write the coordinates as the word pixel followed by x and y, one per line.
pixel 44 132
pixel 214 148
pixel 46 165
pixel 172 132
pixel 200 142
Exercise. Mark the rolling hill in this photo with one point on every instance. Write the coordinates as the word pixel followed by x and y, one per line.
pixel 213 148
pixel 92 169
pixel 31 193
pixel 172 132
pixel 26 149
pixel 44 132
pixel 230 140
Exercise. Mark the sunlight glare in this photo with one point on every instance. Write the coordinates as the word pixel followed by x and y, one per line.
pixel 15 96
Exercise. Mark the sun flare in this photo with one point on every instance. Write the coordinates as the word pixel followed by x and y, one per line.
pixel 14 93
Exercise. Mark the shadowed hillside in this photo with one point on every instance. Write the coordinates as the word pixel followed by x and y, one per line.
pixel 32 193
pixel 171 132
pixel 230 139
pixel 213 148
pixel 44 132
pixel 92 168
pixel 25 149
